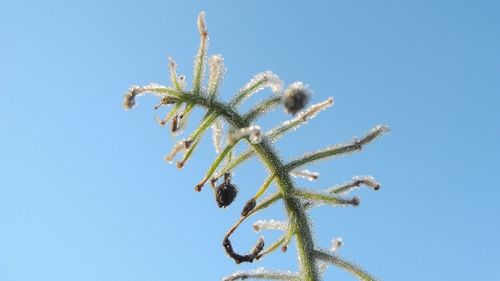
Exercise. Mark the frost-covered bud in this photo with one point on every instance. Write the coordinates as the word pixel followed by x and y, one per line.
pixel 295 97
pixel 225 193
pixel 254 134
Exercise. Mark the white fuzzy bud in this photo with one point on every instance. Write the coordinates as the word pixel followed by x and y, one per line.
pixel 254 134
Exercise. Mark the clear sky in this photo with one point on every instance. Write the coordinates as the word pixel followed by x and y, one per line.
pixel 86 195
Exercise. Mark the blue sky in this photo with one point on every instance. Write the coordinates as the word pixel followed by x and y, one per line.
pixel 86 195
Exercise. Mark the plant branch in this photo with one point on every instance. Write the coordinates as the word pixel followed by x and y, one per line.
pixel 262 108
pixel 263 274
pixel 294 208
pixel 348 266
pixel 324 198
pixel 338 150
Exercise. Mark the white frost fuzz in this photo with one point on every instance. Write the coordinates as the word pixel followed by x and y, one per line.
pixel 217 129
pixel 254 133
pixel 217 71
pixel 261 81
pixel 269 225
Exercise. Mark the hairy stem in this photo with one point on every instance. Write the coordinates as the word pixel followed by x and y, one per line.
pixel 267 154
pixel 348 266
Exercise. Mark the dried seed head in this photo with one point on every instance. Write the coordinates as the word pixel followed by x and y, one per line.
pixel 175 123
pixel 225 193
pixel 295 97
pixel 129 97
pixel 258 247
pixel 355 201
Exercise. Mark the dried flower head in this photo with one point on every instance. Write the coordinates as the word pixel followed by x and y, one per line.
pixel 129 97
pixel 295 97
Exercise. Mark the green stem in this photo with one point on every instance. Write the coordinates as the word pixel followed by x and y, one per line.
pixel 324 198
pixel 352 268
pixel 262 108
pixel 267 154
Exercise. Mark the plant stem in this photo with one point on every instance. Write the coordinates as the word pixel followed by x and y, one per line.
pixel 267 154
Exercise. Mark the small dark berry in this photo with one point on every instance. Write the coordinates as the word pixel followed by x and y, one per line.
pixel 225 194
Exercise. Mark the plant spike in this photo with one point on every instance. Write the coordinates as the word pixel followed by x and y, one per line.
pixel 324 198
pixel 200 59
pixel 296 201
pixel 174 79
pixel 338 150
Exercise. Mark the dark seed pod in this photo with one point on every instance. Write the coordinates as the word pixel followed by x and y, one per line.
pixel 295 98
pixel 225 193
pixel 175 121
pixel 249 206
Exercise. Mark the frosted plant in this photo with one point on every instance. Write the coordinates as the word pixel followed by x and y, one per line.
pixel 242 127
